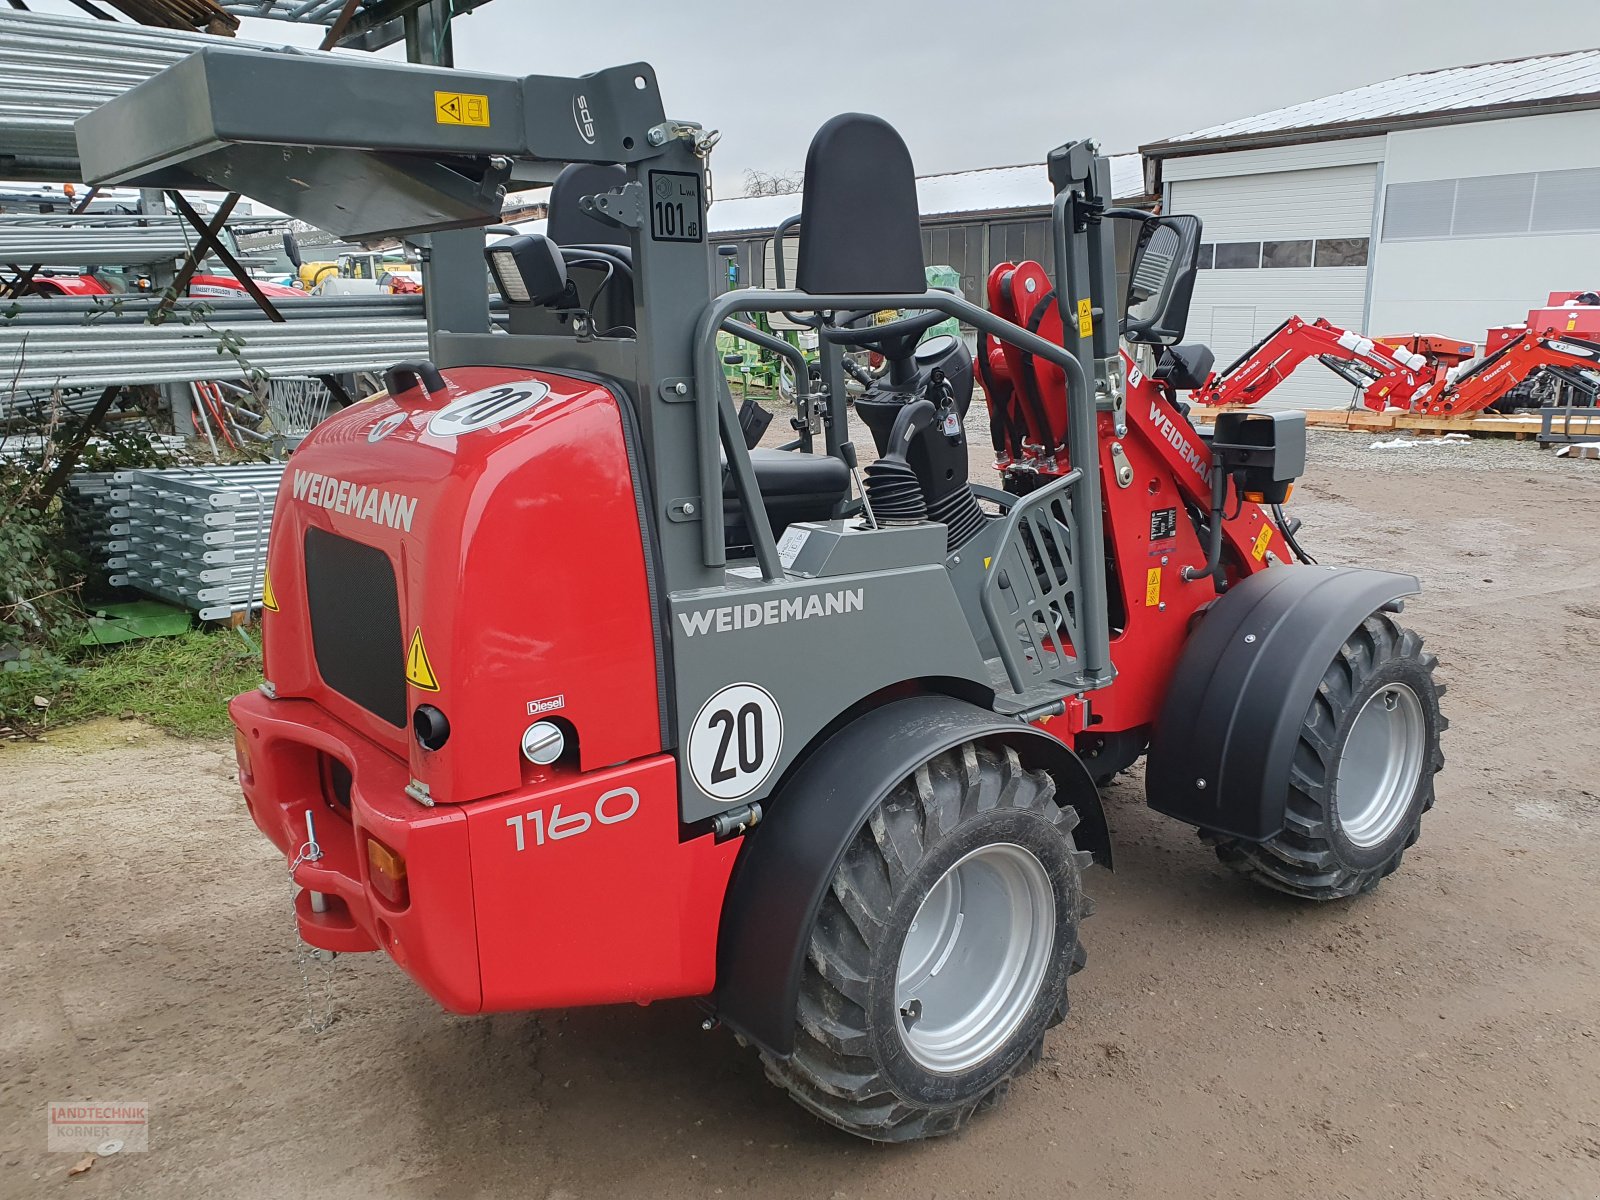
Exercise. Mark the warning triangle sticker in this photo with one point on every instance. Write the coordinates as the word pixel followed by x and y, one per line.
pixel 419 671
pixel 269 600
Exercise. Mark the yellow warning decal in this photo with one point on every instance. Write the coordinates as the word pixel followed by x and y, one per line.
pixel 986 561
pixel 1085 319
pixel 419 671
pixel 1263 539
pixel 1152 587
pixel 460 108
pixel 269 598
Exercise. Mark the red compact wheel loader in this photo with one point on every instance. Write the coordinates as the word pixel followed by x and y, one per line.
pixel 574 697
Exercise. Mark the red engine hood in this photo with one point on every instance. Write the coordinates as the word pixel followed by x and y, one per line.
pixel 505 507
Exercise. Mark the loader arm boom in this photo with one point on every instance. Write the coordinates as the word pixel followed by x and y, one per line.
pixel 1492 376
pixel 1358 360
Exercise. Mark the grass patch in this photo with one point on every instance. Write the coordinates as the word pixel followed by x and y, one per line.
pixel 180 684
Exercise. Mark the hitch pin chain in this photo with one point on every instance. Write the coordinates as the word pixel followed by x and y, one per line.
pixel 310 852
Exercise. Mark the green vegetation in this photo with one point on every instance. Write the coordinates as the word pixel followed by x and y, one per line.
pixel 48 677
pixel 180 684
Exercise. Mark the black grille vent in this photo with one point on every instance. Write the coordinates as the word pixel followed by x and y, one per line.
pixel 355 623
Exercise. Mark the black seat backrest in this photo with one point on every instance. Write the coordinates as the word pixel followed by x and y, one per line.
pixel 569 225
pixel 860 230
pixel 601 268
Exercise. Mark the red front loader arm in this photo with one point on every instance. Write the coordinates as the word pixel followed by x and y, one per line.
pixel 1387 375
pixel 1494 375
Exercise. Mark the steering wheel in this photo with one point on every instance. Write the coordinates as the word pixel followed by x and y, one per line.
pixel 876 336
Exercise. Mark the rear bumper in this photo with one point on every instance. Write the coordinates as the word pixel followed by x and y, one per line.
pixel 431 938
pixel 573 891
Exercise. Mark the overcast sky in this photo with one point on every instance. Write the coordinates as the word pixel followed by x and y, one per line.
pixel 978 83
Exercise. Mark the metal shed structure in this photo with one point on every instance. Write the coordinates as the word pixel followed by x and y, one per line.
pixel 1438 202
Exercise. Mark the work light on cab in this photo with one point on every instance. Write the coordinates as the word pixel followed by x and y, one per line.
pixel 528 269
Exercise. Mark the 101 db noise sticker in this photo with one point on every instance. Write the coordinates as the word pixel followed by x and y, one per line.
pixel 488 406
pixel 735 741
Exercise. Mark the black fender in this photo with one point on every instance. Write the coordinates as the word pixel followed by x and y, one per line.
pixel 788 860
pixel 1224 741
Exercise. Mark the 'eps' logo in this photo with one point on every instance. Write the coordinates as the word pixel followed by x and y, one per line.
pixel 582 118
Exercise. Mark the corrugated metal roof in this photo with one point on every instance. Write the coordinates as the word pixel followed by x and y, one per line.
pixel 990 189
pixel 1570 80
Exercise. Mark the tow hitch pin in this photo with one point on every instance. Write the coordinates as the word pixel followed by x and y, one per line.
pixel 319 901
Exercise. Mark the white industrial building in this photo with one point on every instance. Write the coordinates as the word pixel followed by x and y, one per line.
pixel 1440 202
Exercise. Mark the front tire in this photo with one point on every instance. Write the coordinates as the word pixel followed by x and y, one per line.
pixel 941 952
pixel 1362 774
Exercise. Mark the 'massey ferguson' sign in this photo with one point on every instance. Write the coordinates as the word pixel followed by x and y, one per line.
pixel 369 503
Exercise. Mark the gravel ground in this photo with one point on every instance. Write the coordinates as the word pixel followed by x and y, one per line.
pixel 1375 452
pixel 1439 1038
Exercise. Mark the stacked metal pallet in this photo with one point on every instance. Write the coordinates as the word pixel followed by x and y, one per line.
pixel 87 502
pixel 194 536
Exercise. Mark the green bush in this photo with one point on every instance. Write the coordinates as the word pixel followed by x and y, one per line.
pixel 46 676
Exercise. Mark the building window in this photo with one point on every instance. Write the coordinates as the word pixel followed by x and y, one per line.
pixel 1565 200
pixel 1341 252
pixel 1286 254
pixel 1235 256
pixel 1297 252
pixel 1493 205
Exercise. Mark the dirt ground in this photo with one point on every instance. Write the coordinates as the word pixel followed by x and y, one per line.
pixel 1439 1038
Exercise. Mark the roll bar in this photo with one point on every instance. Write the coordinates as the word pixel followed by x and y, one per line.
pixel 717 424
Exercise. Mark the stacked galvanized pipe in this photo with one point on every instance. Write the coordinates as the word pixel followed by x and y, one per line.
pixel 52 344
pixel 54 69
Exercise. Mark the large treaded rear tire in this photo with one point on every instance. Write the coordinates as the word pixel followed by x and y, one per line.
pixel 1313 858
pixel 850 1065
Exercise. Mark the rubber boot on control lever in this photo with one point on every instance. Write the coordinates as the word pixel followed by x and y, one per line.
pixel 892 487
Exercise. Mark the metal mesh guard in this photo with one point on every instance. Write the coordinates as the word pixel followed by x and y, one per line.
pixel 1030 592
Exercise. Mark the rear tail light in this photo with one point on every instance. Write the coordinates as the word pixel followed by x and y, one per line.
pixel 241 755
pixel 386 871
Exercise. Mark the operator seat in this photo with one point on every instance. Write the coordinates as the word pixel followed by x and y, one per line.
pixel 794 487
pixel 600 268
pixel 854 238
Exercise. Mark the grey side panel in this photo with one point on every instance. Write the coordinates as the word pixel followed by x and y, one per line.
pixel 1224 742
pixel 788 861
pixel 815 647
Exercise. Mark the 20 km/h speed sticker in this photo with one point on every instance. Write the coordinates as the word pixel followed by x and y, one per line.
pixel 735 741
pixel 485 407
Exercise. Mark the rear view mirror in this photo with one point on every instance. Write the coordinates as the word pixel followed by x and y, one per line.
pixel 1161 281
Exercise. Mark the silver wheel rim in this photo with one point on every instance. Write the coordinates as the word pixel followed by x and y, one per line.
pixel 974 957
pixel 1380 765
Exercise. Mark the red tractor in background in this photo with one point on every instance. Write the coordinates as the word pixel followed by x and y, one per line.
pixel 200 285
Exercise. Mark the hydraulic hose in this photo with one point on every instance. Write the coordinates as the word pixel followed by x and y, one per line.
pixel 1287 528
